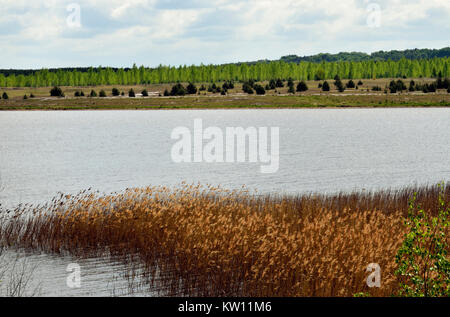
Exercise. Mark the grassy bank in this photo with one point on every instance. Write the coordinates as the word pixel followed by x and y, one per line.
pixel 235 98
pixel 229 102
pixel 212 242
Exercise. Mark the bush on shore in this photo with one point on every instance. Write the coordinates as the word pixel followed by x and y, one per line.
pixel 115 92
pixel 302 86
pixel 56 92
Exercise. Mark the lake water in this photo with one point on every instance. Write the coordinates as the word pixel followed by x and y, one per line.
pixel 42 153
pixel 326 150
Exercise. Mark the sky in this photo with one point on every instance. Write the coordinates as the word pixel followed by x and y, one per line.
pixel 118 33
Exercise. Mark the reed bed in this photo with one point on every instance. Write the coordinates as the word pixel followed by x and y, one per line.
pixel 206 241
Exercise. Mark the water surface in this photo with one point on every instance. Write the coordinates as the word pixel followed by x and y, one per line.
pixel 326 150
pixel 43 153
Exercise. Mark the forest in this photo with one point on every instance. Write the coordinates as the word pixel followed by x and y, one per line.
pixel 404 68
pixel 412 54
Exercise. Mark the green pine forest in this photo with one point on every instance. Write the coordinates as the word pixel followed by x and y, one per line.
pixel 260 71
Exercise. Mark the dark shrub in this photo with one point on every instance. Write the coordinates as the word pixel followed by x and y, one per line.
pixel 272 84
pixel 25 97
pixel 102 94
pixel 446 83
pixel 326 86
pixel 290 82
pixel 393 88
pixel 191 89
pixel 93 93
pixel 77 94
pixel 259 89
pixel 279 83
pixel 5 96
pixel 166 93
pixel 339 85
pixel 178 90
pixel 401 85
pixel 115 92
pixel 56 92
pixel 144 93
pixel 301 87
pixel 351 84
pixel 432 87
pixel 360 83
pixel 131 93
pixel 247 87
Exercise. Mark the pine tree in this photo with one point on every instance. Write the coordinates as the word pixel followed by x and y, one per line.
pixel 302 86
pixel 115 92
pixel 191 89
pixel 351 84
pixel 259 89
pixel 56 92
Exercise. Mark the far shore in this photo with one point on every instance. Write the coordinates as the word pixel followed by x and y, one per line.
pixel 232 102
pixel 362 97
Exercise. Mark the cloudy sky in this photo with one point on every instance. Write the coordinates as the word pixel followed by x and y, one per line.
pixel 59 33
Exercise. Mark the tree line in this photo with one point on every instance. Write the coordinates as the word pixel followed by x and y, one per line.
pixel 231 72
pixel 377 56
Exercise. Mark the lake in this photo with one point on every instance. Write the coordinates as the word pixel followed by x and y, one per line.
pixel 321 150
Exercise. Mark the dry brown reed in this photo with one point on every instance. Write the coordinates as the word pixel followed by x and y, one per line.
pixel 206 241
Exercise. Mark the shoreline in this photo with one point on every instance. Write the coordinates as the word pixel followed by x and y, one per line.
pixel 228 108
pixel 190 103
pixel 314 98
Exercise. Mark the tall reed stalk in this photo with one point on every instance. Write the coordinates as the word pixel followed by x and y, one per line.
pixel 206 241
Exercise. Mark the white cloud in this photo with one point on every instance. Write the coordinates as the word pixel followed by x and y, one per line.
pixel 118 33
